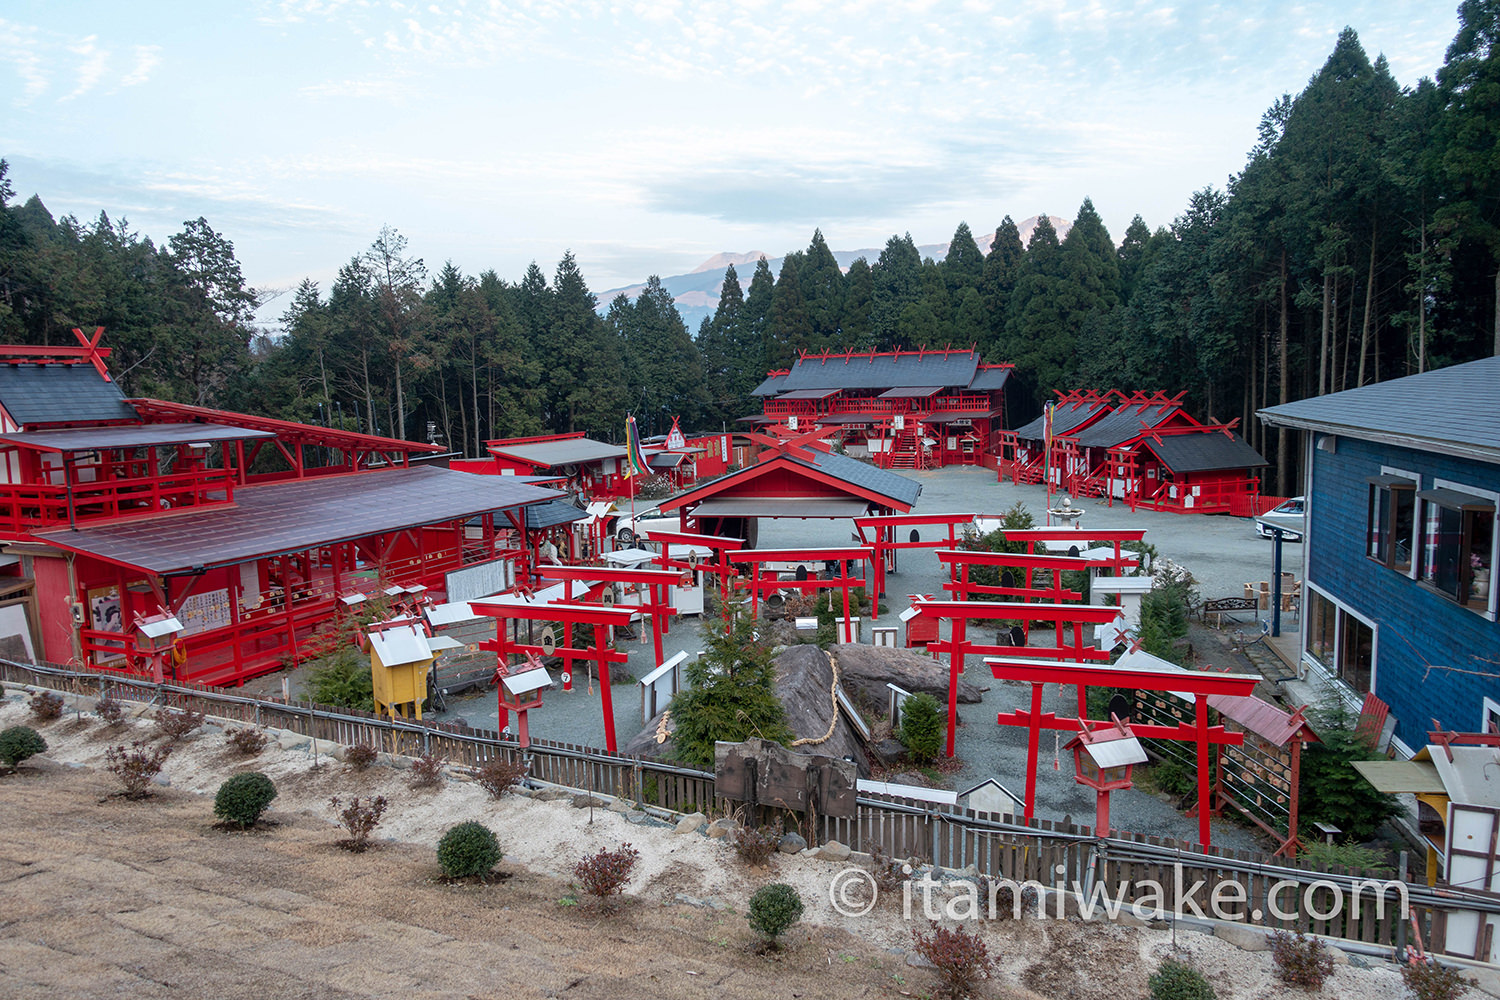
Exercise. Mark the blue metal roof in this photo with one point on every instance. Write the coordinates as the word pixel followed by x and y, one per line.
pixel 1453 410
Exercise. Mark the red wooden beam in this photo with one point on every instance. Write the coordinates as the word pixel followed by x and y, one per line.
pixel 979 557
pixel 1086 614
pixel 577 614
pixel 1204 682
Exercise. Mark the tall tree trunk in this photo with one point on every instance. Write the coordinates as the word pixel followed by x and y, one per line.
pixel 1422 299
pixel 1364 334
pixel 474 398
pixel 1497 309
pixel 364 360
pixel 400 421
pixel 1282 474
pixel 1323 347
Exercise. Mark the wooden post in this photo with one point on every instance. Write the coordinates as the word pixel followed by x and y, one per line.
pixel 1033 739
pixel 1204 834
pixel 955 670
pixel 609 708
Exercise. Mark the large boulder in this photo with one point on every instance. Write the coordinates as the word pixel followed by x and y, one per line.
pixel 866 670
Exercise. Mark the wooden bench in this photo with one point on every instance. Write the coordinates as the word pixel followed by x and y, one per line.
pixel 1227 607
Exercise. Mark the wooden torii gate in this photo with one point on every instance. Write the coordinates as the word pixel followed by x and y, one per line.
pixel 879 532
pixel 656 582
pixel 1199 684
pixel 569 615
pixel 760 586
pixel 959 646
pixel 719 544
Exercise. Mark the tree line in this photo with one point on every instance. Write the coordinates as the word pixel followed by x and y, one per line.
pixel 1359 242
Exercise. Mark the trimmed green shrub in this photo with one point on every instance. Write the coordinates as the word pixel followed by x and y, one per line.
pixel 1174 980
pixel 243 798
pixel 468 849
pixel 923 727
pixel 19 742
pixel 773 909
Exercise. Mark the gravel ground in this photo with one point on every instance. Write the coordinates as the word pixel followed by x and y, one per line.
pixel 1222 552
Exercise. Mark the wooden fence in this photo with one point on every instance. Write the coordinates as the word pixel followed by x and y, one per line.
pixel 1268 892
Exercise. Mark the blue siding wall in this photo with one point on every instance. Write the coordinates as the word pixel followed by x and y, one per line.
pixel 1416 629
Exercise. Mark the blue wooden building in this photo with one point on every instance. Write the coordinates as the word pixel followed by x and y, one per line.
pixel 1402 484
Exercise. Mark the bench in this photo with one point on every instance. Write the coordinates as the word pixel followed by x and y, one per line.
pixel 1228 607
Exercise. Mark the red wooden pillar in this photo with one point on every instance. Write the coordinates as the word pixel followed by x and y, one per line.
pixel 1033 741
pixel 567 628
pixel 1201 701
pixel 955 670
pixel 604 693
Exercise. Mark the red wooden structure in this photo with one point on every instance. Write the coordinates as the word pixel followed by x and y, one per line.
pixel 718 544
pixel 288 523
pixel 596 615
pixel 902 409
pixel 1198 684
pixel 656 582
pixel 1023 454
pixel 882 533
pixel 960 646
pixel 761 586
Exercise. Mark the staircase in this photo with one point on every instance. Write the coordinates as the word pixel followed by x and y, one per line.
pixel 906 451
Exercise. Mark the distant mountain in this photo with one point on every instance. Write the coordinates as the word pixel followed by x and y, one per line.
pixel 697 292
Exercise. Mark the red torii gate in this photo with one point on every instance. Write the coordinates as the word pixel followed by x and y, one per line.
pixel 655 580
pixel 720 545
pixel 569 614
pixel 959 646
pixel 883 529
pixel 1200 684
pixel 845 557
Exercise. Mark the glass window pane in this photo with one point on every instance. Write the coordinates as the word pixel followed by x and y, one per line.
pixel 1481 555
pixel 1320 615
pixel 1356 654
pixel 1441 543
pixel 1375 546
pixel 1405 503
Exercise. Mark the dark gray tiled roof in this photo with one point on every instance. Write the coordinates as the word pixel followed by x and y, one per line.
pixel 1453 410
pixel 1066 417
pixel 552 454
pixel 990 380
pixel 1123 425
pixel 770 387
pixel 1204 452
pixel 553 512
pixel 296 515
pixel 56 394
pixel 129 436
pixel 882 481
pixel 883 371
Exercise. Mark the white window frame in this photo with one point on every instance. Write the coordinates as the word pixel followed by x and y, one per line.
pixel 1494 498
pixel 1416 520
pixel 1352 699
pixel 1490 710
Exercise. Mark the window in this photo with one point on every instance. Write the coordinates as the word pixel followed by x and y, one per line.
pixel 1343 644
pixel 1392 521
pixel 1458 544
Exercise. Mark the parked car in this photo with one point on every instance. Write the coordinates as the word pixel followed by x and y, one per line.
pixel 1289 516
pixel 630 527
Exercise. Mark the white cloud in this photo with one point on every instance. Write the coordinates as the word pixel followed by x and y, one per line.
pixel 92 63
pixel 147 58
pixel 19 46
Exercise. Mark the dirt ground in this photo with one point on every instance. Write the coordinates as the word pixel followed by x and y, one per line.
pixel 108 897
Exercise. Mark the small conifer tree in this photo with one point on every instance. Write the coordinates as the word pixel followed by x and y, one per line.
pixel 731 695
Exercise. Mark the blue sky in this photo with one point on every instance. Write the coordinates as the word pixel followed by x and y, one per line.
pixel 646 136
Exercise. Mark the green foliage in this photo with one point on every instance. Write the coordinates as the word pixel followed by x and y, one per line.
pixel 1332 791
pixel 1172 777
pixel 467 850
pixel 342 679
pixel 731 695
pixel 1164 611
pixel 1348 854
pixel 774 909
pixel 242 799
pixel 1174 980
pixel 923 727
pixel 18 743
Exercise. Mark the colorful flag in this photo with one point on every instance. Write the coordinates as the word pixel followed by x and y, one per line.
pixel 1047 425
pixel 635 459
pixel 675 440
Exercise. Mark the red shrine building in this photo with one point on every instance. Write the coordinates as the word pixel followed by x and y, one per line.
pixel 1143 449
pixel 918 409
pixel 252 532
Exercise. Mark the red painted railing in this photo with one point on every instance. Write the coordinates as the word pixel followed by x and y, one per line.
pixel 27 506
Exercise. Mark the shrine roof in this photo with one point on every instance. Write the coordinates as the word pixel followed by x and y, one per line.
pixel 1205 451
pixel 128 436
pixel 60 393
pixel 553 513
pixel 870 483
pixel 1065 417
pixel 771 386
pixel 882 371
pixel 563 451
pixel 296 515
pixel 1124 424
pixel 990 379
